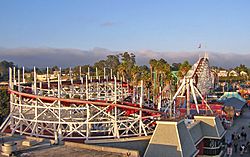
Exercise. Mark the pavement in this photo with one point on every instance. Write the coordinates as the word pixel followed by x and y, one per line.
pixel 239 122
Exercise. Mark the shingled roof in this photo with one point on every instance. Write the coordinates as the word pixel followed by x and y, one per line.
pixel 196 132
pixel 176 139
pixel 171 139
pixel 210 126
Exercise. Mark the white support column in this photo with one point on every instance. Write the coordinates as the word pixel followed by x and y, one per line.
pixel 159 99
pixel 81 87
pixel 116 131
pixel 87 88
pixel 111 73
pixel 60 71
pixel 11 98
pixel 35 88
pixel 98 90
pixel 19 80
pixel 23 75
pixel 104 73
pixel 88 72
pixel 81 79
pixel 36 103
pixel 10 78
pixel 115 90
pixel 140 117
pixel 193 93
pixel 106 90
pixel 203 98
pixel 48 78
pixel 47 73
pixel 170 106
pixel 59 129
pixel 96 73
pixel 20 100
pixel 122 93
pixel 70 76
pixel 88 126
pixel 14 75
pixel 188 96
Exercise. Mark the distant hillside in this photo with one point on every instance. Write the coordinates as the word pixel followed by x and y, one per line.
pixel 68 57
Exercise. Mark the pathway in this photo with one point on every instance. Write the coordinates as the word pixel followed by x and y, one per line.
pixel 243 120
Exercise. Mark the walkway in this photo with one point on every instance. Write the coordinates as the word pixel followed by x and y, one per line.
pixel 243 120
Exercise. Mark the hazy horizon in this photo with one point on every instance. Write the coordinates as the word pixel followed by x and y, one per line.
pixel 69 57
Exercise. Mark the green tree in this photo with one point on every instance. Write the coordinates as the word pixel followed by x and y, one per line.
pixel 55 68
pixel 112 62
pixel 185 66
pixel 122 69
pixel 175 66
pixel 4 103
pixel 100 65
pixel 127 62
pixel 152 63
pixel 4 70
pixel 135 72
pixel 240 68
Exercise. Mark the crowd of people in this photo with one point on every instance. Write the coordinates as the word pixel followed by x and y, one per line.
pixel 237 138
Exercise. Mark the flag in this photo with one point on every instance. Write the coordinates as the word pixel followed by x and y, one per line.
pixel 199 46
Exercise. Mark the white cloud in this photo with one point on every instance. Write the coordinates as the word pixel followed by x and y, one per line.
pixel 107 24
pixel 66 57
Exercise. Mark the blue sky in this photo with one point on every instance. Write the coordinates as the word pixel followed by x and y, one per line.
pixel 163 25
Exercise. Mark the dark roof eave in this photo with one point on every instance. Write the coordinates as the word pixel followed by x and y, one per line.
pixel 211 137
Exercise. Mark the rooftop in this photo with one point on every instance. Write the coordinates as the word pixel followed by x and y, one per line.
pixel 43 147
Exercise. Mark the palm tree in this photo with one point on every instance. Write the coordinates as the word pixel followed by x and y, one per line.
pixel 122 69
pixel 134 74
pixel 185 66
pixel 152 63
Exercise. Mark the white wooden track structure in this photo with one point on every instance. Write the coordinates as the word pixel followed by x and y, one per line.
pixel 87 108
pixel 195 84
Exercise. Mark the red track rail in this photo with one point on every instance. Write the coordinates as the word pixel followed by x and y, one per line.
pixel 128 106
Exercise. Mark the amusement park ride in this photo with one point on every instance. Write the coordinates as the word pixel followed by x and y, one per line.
pixel 196 83
pixel 92 107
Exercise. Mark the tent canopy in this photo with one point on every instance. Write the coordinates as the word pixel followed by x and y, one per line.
pixel 228 95
pixel 234 102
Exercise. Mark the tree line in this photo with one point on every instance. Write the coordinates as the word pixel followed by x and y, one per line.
pixel 159 73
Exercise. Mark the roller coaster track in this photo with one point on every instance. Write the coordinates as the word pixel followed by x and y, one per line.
pixel 196 83
pixel 84 109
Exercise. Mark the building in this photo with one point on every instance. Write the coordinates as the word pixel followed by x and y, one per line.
pixel 204 135
pixel 222 73
pixel 243 73
pixel 233 73
pixel 42 77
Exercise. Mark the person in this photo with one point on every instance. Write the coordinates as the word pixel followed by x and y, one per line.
pixel 229 149
pixel 238 136
pixel 236 141
pixel 242 129
pixel 242 149
pixel 233 136
pixel 243 135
